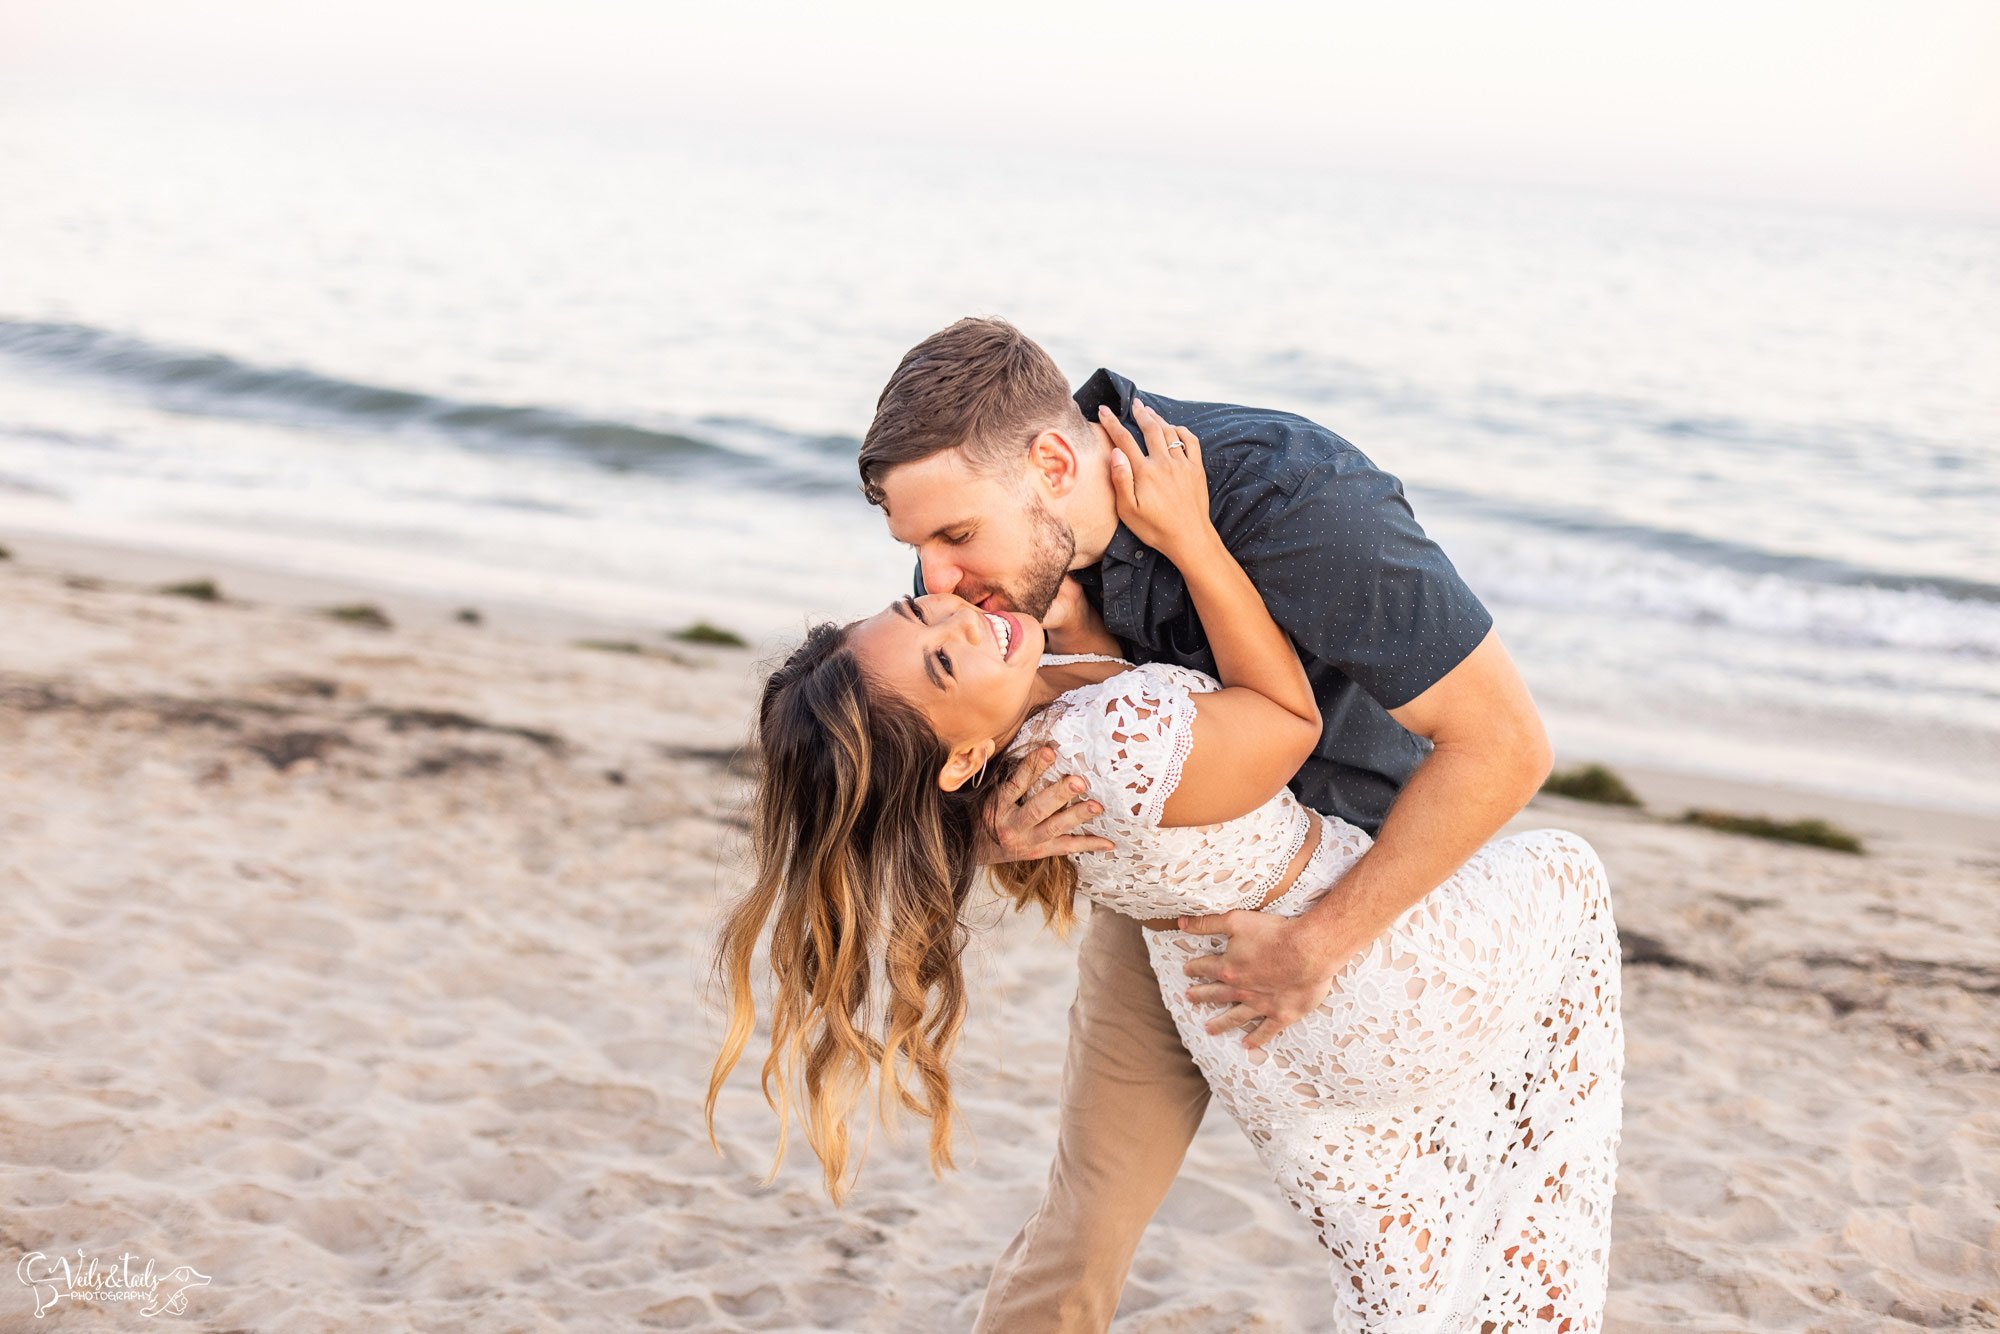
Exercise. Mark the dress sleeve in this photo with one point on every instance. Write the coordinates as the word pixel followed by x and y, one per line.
pixel 1139 728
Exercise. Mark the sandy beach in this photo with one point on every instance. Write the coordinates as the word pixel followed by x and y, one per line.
pixel 361 970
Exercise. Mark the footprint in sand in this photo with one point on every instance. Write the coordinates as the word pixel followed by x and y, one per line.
pixel 78 1146
pixel 677 1313
pixel 520 1179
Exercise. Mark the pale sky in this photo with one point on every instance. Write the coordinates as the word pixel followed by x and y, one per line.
pixel 1847 102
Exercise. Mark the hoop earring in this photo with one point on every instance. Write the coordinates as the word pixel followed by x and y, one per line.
pixel 981 775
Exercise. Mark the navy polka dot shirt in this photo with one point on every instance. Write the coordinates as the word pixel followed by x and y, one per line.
pixel 1377 611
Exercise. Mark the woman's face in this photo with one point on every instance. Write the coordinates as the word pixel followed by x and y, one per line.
pixel 971 673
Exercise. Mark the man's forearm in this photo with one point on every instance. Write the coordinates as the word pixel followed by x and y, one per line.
pixel 1458 798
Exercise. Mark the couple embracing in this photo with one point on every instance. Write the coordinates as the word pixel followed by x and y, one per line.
pixel 1198 664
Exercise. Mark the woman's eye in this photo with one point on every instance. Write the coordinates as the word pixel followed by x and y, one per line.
pixel 945 658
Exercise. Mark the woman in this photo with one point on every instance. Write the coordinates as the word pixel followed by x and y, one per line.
pixel 1447 1118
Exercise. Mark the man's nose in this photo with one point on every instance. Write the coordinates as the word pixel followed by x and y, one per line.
pixel 940 576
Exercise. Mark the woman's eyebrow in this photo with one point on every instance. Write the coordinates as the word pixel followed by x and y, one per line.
pixel 907 606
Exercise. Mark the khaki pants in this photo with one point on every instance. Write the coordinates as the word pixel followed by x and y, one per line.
pixel 1132 1099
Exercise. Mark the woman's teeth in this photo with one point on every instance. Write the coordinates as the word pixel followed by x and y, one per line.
pixel 1001 631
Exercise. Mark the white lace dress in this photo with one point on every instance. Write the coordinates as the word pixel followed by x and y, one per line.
pixel 1448 1118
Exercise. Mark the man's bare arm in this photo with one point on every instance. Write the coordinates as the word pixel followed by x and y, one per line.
pixel 1490 756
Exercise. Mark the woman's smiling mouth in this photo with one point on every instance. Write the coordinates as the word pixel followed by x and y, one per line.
pixel 1006 632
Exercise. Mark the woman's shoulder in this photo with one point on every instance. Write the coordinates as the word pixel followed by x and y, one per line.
pixel 1192 679
pixel 1139 675
pixel 1150 680
pixel 1137 683
pixel 1068 721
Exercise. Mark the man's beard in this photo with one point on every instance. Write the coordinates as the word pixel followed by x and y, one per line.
pixel 1048 562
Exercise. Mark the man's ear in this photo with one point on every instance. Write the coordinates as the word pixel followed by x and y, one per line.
pixel 1055 459
pixel 964 765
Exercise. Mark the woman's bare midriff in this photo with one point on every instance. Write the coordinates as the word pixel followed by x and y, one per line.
pixel 1297 864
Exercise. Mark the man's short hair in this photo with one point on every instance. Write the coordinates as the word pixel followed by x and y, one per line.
pixel 980 385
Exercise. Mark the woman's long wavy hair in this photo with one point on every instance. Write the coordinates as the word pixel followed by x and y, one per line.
pixel 863 869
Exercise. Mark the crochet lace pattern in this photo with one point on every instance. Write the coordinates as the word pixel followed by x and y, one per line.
pixel 1448 1118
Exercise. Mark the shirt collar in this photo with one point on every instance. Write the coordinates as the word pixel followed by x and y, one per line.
pixel 1105 389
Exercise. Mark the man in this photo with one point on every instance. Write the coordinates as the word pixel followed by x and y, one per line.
pixel 984 461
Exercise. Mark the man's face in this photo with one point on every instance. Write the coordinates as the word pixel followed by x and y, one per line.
pixel 991 540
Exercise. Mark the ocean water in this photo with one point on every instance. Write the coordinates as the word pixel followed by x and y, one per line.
pixel 1727 474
